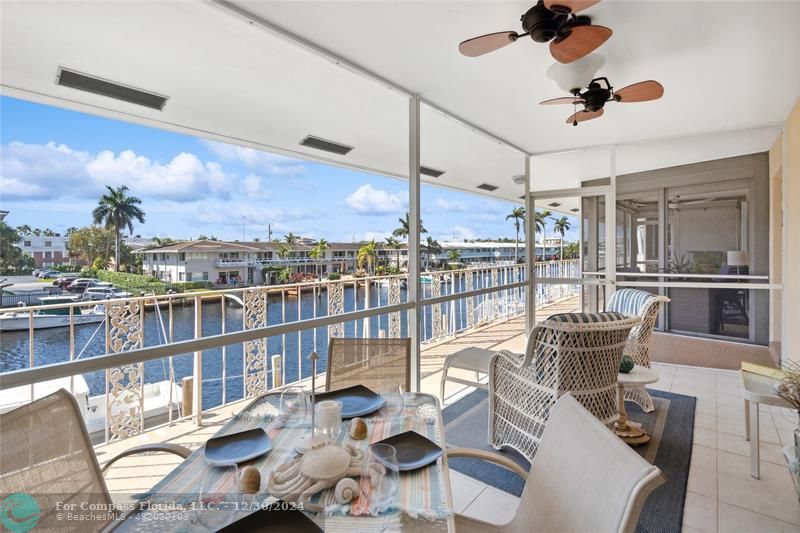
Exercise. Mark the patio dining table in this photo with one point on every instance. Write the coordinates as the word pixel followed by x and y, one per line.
pixel 423 502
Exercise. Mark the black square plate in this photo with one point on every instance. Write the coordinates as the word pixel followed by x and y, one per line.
pixel 279 517
pixel 413 450
pixel 357 400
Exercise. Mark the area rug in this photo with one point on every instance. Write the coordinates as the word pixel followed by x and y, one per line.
pixel 671 427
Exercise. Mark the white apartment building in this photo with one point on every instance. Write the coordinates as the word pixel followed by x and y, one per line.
pixel 46 251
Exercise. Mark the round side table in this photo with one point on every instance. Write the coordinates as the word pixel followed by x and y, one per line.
pixel 632 432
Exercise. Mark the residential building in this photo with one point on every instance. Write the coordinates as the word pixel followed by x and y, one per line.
pixel 46 251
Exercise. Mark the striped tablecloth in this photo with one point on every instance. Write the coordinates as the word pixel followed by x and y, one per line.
pixel 422 496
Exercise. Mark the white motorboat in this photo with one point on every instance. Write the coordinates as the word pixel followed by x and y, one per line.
pixel 52 318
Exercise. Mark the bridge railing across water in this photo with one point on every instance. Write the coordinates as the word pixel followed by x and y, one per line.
pixel 239 343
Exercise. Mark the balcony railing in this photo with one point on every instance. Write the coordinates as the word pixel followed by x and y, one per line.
pixel 238 343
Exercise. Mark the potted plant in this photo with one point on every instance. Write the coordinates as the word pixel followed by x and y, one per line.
pixel 789 390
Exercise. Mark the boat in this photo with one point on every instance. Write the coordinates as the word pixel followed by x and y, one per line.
pixel 52 318
pixel 156 400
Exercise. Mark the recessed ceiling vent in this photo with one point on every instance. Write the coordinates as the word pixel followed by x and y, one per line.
pixel 554 204
pixel 91 84
pixel 432 172
pixel 574 209
pixel 487 187
pixel 328 146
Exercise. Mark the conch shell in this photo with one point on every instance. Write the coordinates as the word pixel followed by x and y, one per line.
pixel 250 480
pixel 346 490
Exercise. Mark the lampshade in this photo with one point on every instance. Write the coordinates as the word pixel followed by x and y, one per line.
pixel 738 258
pixel 576 75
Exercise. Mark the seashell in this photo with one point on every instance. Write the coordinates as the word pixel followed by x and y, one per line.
pixel 346 490
pixel 250 480
pixel 358 429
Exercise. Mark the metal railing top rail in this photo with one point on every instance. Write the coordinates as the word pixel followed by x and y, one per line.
pixel 679 275
pixel 29 376
pixel 211 293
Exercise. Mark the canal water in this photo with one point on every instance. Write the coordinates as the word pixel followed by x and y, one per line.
pixel 52 345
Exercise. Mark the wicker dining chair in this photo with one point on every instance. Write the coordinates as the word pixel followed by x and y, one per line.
pixel 583 478
pixel 46 454
pixel 374 363
pixel 645 305
pixel 578 353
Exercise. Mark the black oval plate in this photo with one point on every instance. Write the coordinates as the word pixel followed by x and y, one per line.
pixel 236 447
pixel 413 450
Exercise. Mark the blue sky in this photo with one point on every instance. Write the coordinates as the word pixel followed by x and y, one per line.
pixel 55 164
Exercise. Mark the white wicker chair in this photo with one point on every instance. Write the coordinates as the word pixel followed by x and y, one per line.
pixel 574 352
pixel 583 478
pixel 645 305
pixel 45 452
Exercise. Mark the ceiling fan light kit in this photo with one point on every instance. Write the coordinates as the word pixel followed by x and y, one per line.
pixel 572 40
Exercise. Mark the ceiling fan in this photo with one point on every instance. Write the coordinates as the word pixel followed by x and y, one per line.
pixel 571 36
pixel 594 98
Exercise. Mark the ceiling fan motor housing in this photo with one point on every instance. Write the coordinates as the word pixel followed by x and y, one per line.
pixel 541 23
pixel 595 97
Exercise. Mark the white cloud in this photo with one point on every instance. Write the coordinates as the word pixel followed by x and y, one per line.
pixel 366 200
pixel 458 233
pixel 258 215
pixel 254 187
pixel 34 171
pixel 255 159
pixel 450 205
pixel 378 236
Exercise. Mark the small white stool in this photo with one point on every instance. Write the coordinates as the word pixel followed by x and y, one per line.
pixel 475 359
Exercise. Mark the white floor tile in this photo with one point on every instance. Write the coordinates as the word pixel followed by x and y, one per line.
pixel 759 497
pixel 703 481
pixel 705 437
pixel 700 512
pixel 703 457
pixel 494 506
pixel 465 489
pixel 736 465
pixel 734 444
pixel 734 519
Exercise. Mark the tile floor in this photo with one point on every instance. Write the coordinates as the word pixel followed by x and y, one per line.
pixel 721 497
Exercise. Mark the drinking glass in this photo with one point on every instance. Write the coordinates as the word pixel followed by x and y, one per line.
pixel 216 500
pixel 380 475
pixel 293 405
pixel 392 394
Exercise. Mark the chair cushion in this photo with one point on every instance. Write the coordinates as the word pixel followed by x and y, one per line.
pixel 585 318
pixel 629 301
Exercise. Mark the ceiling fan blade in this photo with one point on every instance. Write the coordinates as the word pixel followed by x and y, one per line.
pixel 640 92
pixel 581 41
pixel 584 115
pixel 484 44
pixel 565 100
pixel 572 5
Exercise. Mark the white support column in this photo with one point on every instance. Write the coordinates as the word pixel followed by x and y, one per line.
pixel 611 228
pixel 414 289
pixel 530 253
pixel 198 363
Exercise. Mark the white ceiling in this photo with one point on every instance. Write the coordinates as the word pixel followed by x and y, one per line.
pixel 731 72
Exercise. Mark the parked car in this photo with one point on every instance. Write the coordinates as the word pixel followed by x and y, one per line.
pixel 49 274
pixel 81 284
pixel 35 272
pixel 104 293
pixel 64 281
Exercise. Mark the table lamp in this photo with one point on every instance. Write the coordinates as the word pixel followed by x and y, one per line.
pixel 738 258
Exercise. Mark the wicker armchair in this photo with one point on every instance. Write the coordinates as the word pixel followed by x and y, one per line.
pixel 583 479
pixel 374 363
pixel 46 454
pixel 645 305
pixel 577 353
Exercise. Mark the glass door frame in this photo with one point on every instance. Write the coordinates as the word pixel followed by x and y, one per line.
pixel 607 277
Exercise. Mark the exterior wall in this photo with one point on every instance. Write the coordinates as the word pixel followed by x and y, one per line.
pixel 790 344
pixel 46 251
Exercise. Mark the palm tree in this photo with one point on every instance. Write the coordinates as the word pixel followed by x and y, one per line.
pixel 118 210
pixel 318 252
pixel 396 245
pixel 366 254
pixel 518 215
pixel 405 225
pixel 24 230
pixel 284 251
pixel 453 256
pixel 561 225
pixel 540 218
pixel 431 246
